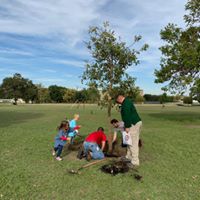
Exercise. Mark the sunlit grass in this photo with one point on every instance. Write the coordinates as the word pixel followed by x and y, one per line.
pixel 169 158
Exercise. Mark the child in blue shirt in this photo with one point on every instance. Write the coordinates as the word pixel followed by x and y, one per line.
pixel 73 125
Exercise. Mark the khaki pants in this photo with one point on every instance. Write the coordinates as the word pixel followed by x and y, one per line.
pixel 133 150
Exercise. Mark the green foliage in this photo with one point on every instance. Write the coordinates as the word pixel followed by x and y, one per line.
pixel 139 99
pixel 43 95
pixel 195 90
pixel 187 100
pixel 160 98
pixel 69 95
pixel 193 6
pixel 18 87
pixel 110 59
pixel 81 96
pixel 180 64
pixel 56 93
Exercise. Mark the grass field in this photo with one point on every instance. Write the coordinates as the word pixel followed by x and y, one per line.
pixel 170 157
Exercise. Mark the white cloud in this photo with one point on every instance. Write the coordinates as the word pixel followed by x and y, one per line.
pixel 73 63
pixel 47 17
pixel 15 52
pixel 55 30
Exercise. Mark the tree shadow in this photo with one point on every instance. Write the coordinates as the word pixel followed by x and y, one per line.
pixel 177 116
pixel 8 118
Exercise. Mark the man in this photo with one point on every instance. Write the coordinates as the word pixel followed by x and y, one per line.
pixel 119 127
pixel 94 144
pixel 132 125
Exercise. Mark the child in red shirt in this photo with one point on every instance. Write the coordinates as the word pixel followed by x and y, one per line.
pixel 93 142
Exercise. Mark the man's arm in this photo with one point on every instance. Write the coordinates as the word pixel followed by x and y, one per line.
pixel 103 143
pixel 114 136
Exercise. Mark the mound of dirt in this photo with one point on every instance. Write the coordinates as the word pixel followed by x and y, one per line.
pixel 115 168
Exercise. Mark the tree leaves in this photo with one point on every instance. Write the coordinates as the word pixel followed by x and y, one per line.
pixel 180 63
pixel 110 59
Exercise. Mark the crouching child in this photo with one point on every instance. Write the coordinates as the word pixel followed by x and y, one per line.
pixel 61 139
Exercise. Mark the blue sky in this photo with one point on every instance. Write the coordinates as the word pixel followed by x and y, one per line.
pixel 44 40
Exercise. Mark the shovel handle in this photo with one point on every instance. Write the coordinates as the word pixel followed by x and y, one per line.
pixel 92 163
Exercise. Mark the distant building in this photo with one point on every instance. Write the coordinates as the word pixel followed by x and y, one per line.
pixel 19 101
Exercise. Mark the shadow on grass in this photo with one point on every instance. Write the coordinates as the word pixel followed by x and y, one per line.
pixel 10 118
pixel 177 116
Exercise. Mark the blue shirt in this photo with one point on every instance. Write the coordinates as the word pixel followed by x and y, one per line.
pixel 72 123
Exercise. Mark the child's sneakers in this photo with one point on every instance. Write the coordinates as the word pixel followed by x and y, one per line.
pixel 53 153
pixel 58 158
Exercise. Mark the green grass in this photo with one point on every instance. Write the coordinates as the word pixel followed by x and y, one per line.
pixel 170 158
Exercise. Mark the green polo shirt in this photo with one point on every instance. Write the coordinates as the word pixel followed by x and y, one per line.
pixel 129 113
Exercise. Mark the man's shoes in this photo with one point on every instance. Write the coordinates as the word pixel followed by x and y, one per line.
pixel 88 156
pixel 80 154
pixel 125 160
pixel 130 165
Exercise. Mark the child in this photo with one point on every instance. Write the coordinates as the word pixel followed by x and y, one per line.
pixel 61 139
pixel 73 125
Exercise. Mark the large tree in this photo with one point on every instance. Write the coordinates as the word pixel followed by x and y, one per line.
pixel 56 93
pixel 180 63
pixel 110 59
pixel 18 87
pixel 43 94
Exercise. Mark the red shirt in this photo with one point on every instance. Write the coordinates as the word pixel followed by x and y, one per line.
pixel 97 137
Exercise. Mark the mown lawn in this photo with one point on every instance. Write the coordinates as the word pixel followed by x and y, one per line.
pixel 170 157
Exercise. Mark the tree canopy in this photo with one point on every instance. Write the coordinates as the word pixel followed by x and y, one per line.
pixel 180 63
pixel 18 87
pixel 110 59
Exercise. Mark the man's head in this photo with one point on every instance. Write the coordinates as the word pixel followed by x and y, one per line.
pixel 120 99
pixel 100 129
pixel 114 122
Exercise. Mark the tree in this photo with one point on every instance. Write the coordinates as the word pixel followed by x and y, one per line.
pixel 18 87
pixel 187 100
pixel 93 94
pixel 180 64
pixel 139 99
pixel 81 96
pixel 110 59
pixel 56 93
pixel 43 94
pixel 69 95
pixel 163 98
pixel 31 92
pixel 195 91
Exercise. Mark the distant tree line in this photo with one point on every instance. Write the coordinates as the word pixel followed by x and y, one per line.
pixel 161 98
pixel 18 87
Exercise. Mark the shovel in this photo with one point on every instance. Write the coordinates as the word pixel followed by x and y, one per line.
pixel 77 171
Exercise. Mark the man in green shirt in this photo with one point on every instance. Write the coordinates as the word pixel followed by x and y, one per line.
pixel 132 124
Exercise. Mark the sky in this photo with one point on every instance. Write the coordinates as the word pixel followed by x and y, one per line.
pixel 44 40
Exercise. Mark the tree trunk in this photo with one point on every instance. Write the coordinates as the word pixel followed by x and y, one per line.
pixel 15 103
pixel 109 135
